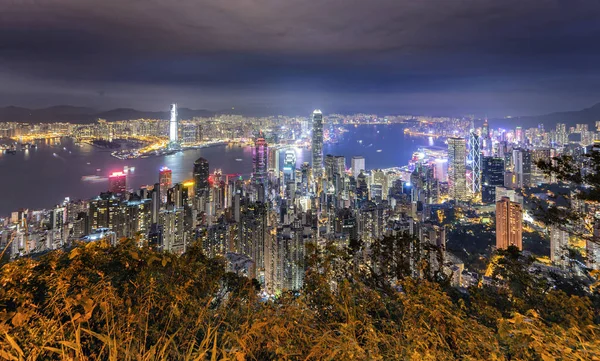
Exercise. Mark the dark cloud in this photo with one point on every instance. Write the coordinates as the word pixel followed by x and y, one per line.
pixel 391 55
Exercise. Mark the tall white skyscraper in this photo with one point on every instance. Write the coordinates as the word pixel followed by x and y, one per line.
pixel 457 172
pixel 317 144
pixel 358 164
pixel 173 136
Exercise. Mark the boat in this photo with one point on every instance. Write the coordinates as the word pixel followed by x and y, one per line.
pixel 379 150
pixel 92 178
pixel 238 159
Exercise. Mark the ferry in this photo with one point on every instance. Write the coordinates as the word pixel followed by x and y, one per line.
pixel 92 178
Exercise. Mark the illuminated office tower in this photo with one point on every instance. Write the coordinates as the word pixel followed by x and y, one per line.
pixel 474 164
pixel 273 164
pixel 559 241
pixel 457 173
pixel 522 167
pixel 117 183
pixel 492 175
pixel 334 164
pixel 317 144
pixel 441 170
pixel 201 173
pixel 259 161
pixel 509 224
pixel 289 166
pixel 165 179
pixel 173 128
pixel 358 165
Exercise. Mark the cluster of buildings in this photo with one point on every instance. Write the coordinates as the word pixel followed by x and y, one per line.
pixel 487 167
pixel 261 225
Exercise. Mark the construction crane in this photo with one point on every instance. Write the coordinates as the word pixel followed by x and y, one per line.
pixel 12 238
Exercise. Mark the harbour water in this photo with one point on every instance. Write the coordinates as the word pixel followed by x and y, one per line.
pixel 43 176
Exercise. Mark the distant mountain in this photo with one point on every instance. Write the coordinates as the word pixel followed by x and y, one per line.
pixel 586 116
pixel 67 113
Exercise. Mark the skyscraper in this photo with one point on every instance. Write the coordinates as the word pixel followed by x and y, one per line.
pixel 289 166
pixel 117 182
pixel 259 161
pixel 165 179
pixel 522 167
pixel 273 158
pixel 317 144
pixel 358 164
pixel 201 173
pixel 559 241
pixel 173 128
pixel 474 164
pixel 334 164
pixel 457 182
pixel 492 175
pixel 509 224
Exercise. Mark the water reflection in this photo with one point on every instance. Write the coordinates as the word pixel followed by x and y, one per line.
pixel 37 179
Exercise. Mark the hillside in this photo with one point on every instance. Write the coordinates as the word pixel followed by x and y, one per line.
pixel 100 302
pixel 585 116
pixel 66 113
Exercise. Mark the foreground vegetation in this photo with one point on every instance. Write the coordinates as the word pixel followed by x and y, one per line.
pixel 130 303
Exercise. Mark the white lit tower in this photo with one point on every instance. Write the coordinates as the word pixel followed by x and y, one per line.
pixel 474 164
pixel 173 128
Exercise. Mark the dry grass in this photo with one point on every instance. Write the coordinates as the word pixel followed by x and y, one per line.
pixel 124 303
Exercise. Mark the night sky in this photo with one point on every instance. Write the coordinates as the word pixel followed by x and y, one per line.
pixel 494 57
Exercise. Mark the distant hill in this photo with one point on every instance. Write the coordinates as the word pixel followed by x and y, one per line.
pixel 586 116
pixel 67 113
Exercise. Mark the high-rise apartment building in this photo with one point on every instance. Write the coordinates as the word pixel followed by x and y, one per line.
pixel 317 144
pixel 559 241
pixel 509 224
pixel 457 175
